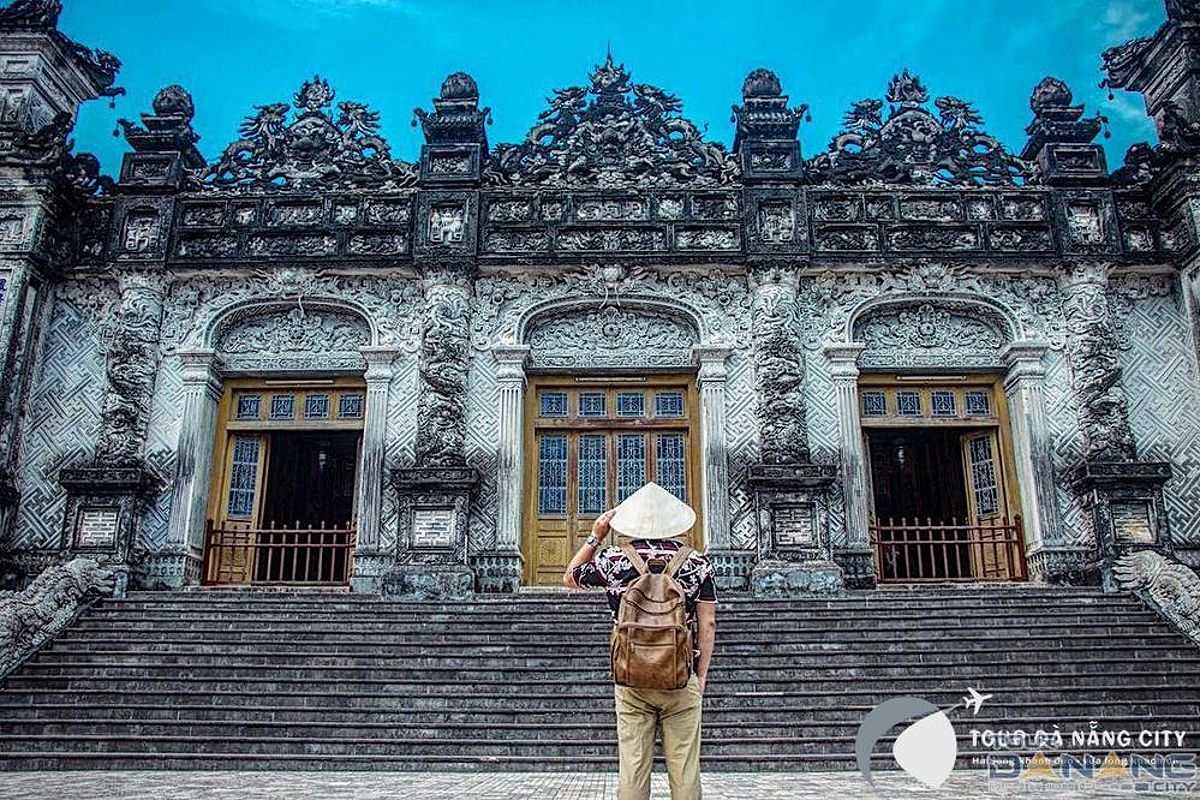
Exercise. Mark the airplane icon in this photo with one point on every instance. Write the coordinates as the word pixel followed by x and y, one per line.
pixel 975 701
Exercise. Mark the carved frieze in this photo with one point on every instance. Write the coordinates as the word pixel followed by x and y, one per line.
pixel 444 363
pixel 260 339
pixel 929 335
pixel 611 337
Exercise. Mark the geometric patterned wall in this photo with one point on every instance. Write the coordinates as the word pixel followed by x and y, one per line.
pixel 62 414
pixel 1159 364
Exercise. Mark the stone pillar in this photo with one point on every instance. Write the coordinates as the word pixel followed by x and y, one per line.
pixel 856 556
pixel 778 365
pixel 1047 556
pixel 714 479
pixel 435 494
pixel 201 392
pixel 16 323
pixel 1122 494
pixel 106 499
pixel 500 569
pixel 369 558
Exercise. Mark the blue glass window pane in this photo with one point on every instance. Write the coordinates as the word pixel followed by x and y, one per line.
pixel 552 475
pixel 874 404
pixel 670 464
pixel 283 406
pixel 631 464
pixel 631 404
pixel 316 406
pixel 249 406
pixel 668 404
pixel 593 404
pixel 979 403
pixel 553 404
pixel 943 404
pixel 243 477
pixel 593 474
pixel 908 404
pixel 350 406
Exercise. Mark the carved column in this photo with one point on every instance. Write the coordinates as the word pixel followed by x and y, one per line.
pixel 856 556
pixel 795 554
pixel 369 560
pixel 105 499
pixel 18 303
pixel 435 494
pixel 1122 494
pixel 180 564
pixel 1023 387
pixel 500 569
pixel 778 365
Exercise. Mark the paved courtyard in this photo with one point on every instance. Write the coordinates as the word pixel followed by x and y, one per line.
pixel 506 786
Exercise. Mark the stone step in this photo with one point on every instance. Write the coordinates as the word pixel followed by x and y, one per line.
pixel 817 656
pixel 1027 715
pixel 559 639
pixel 599 684
pixel 602 622
pixel 716 696
pixel 319 730
pixel 519 674
pixel 462 748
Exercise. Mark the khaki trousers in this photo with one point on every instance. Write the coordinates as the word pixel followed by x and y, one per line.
pixel 643 712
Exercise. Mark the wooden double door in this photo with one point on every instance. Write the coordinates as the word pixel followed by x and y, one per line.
pixel 590 444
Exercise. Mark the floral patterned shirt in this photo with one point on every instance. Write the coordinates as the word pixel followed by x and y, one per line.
pixel 611 569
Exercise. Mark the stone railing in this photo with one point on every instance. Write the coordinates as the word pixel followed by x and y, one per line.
pixel 1171 588
pixel 30 618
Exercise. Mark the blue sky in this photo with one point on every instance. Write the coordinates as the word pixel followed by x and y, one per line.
pixel 393 54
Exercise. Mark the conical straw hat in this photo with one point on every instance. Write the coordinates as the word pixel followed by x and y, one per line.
pixel 652 513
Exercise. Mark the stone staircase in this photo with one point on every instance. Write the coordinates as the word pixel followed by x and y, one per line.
pixel 306 680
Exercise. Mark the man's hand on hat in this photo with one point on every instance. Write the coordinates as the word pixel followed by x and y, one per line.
pixel 600 526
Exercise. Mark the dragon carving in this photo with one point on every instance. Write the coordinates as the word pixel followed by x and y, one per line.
pixel 612 133
pixel 314 149
pixel 913 146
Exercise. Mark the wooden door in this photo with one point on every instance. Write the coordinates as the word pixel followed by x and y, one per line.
pixel 239 514
pixel 586 461
pixel 986 503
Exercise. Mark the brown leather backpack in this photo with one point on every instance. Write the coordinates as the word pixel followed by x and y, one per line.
pixel 652 641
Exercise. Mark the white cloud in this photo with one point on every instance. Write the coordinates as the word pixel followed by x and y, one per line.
pixel 1124 20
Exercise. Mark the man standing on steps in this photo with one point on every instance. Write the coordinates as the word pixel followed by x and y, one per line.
pixel 650 525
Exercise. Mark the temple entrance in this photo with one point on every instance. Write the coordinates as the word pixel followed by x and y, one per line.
pixel 942 495
pixel 285 472
pixel 590 444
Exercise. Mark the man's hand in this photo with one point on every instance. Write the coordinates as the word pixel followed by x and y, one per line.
pixel 601 525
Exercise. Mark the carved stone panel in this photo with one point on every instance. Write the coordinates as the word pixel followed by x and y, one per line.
pixel 295 338
pixel 611 337
pixel 929 335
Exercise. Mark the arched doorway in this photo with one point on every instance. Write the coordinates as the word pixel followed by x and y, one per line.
pixel 612 403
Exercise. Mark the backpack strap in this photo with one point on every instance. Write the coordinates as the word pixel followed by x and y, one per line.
pixel 635 558
pixel 681 555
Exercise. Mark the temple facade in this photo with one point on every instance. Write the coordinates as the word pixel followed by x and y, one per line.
pixel 910 355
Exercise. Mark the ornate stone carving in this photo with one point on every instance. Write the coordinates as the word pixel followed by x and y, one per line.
pixel 142 231
pixel 131 366
pixel 35 14
pixel 296 331
pixel 611 337
pixel 915 147
pixel 612 133
pixel 49 604
pixel 445 360
pixel 778 366
pixel 929 335
pixel 1171 588
pixel 313 149
pixel 1095 366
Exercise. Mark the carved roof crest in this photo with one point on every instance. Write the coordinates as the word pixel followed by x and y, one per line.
pixel 314 149
pixel 612 133
pixel 915 146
